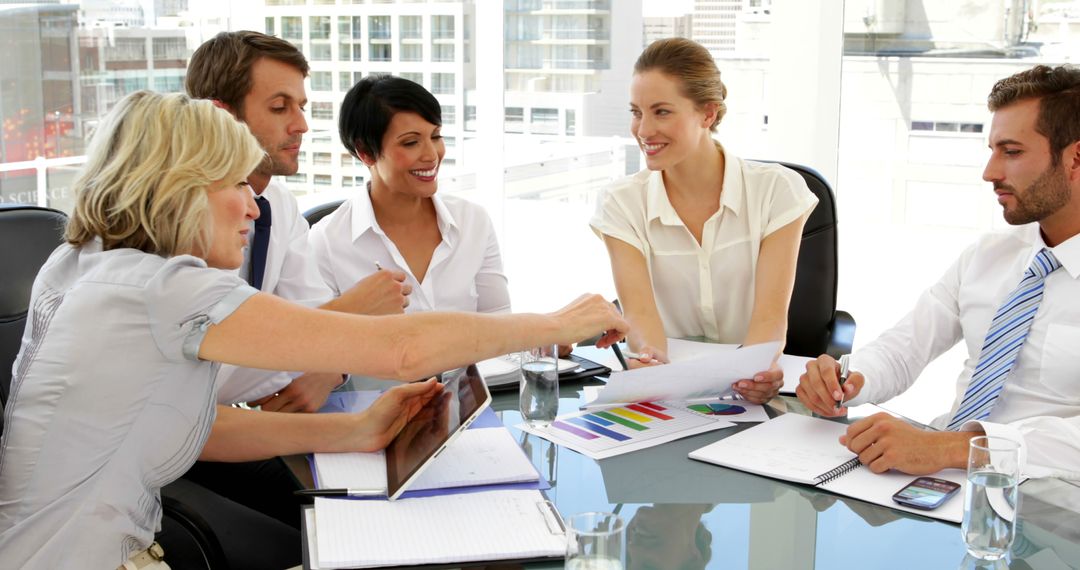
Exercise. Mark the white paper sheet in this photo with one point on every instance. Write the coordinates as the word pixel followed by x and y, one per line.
pixel 680 350
pixel 706 376
pixel 793 366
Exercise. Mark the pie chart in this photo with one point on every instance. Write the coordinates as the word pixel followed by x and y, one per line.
pixel 718 409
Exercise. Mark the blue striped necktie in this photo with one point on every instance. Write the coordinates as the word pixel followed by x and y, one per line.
pixel 1006 337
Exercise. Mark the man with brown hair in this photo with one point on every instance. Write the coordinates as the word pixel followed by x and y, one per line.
pixel 1012 298
pixel 251 506
pixel 260 80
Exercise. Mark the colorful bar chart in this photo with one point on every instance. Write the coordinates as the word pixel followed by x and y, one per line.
pixel 612 431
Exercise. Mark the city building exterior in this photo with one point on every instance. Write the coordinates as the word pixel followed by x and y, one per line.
pixel 713 24
pixel 425 42
pixel 38 91
pixel 659 27
pixel 568 65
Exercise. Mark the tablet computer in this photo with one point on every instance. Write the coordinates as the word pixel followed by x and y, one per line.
pixel 417 445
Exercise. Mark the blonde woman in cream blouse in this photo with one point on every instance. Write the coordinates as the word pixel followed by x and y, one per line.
pixel 701 242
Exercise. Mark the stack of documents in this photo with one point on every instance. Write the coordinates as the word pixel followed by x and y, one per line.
pixel 492 525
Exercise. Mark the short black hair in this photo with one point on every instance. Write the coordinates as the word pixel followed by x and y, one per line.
pixel 372 102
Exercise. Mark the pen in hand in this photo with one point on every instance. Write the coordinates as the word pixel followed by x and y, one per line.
pixel 845 368
pixel 619 354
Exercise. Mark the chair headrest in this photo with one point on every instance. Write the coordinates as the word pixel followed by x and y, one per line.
pixel 28 234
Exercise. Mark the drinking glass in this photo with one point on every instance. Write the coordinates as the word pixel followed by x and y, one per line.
pixel 540 385
pixel 595 541
pixel 992 498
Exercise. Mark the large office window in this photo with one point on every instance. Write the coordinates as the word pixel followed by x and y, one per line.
pixel 885 98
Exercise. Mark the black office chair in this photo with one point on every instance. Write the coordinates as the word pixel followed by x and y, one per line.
pixel 815 327
pixel 28 234
pixel 319 212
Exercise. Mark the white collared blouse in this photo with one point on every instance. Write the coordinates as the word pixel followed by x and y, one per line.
pixel 704 290
pixel 465 272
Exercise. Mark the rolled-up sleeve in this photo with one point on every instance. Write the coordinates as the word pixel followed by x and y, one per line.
pixel 790 199
pixel 184 298
pixel 619 219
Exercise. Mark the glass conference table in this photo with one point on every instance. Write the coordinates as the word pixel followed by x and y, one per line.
pixel 687 514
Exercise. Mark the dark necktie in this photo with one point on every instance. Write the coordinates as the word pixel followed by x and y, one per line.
pixel 260 243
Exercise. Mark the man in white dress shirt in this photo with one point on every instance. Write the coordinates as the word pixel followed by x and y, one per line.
pixel 1013 298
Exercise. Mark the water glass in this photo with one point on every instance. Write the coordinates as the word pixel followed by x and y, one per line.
pixel 595 541
pixel 992 498
pixel 540 385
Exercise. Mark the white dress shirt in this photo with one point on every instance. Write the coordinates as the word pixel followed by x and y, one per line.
pixel 708 289
pixel 291 274
pixel 465 272
pixel 1039 405
pixel 109 402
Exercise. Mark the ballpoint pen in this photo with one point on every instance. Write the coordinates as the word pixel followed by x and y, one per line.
pixel 333 492
pixel 619 354
pixel 845 367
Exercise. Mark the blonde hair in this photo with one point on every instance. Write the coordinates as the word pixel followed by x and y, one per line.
pixel 149 166
pixel 693 66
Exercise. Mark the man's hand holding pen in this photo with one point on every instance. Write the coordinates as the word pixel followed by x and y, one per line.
pixel 820 388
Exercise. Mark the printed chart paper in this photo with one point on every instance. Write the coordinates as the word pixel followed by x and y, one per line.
pixel 705 377
pixel 603 433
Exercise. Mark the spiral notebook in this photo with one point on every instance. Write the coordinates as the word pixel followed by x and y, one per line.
pixel 806 450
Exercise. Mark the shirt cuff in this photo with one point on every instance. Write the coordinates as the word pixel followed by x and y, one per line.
pixel 1009 432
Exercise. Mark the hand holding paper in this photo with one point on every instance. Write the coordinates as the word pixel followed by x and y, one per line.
pixel 706 377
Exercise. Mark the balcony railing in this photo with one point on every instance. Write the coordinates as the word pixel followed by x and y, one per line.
pixel 585 34
pixel 41 165
pixel 559 63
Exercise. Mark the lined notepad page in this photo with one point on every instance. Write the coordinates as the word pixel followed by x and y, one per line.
pixel 492 525
pixel 485 456
pixel 791 447
pixel 352 471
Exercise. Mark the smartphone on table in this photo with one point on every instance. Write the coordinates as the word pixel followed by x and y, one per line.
pixel 926 493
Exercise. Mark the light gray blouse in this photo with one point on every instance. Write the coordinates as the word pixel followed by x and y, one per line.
pixel 109 402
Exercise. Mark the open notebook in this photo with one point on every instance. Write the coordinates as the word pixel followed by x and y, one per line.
pixel 487 526
pixel 807 450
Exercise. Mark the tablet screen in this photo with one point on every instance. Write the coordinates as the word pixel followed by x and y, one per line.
pixel 463 397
